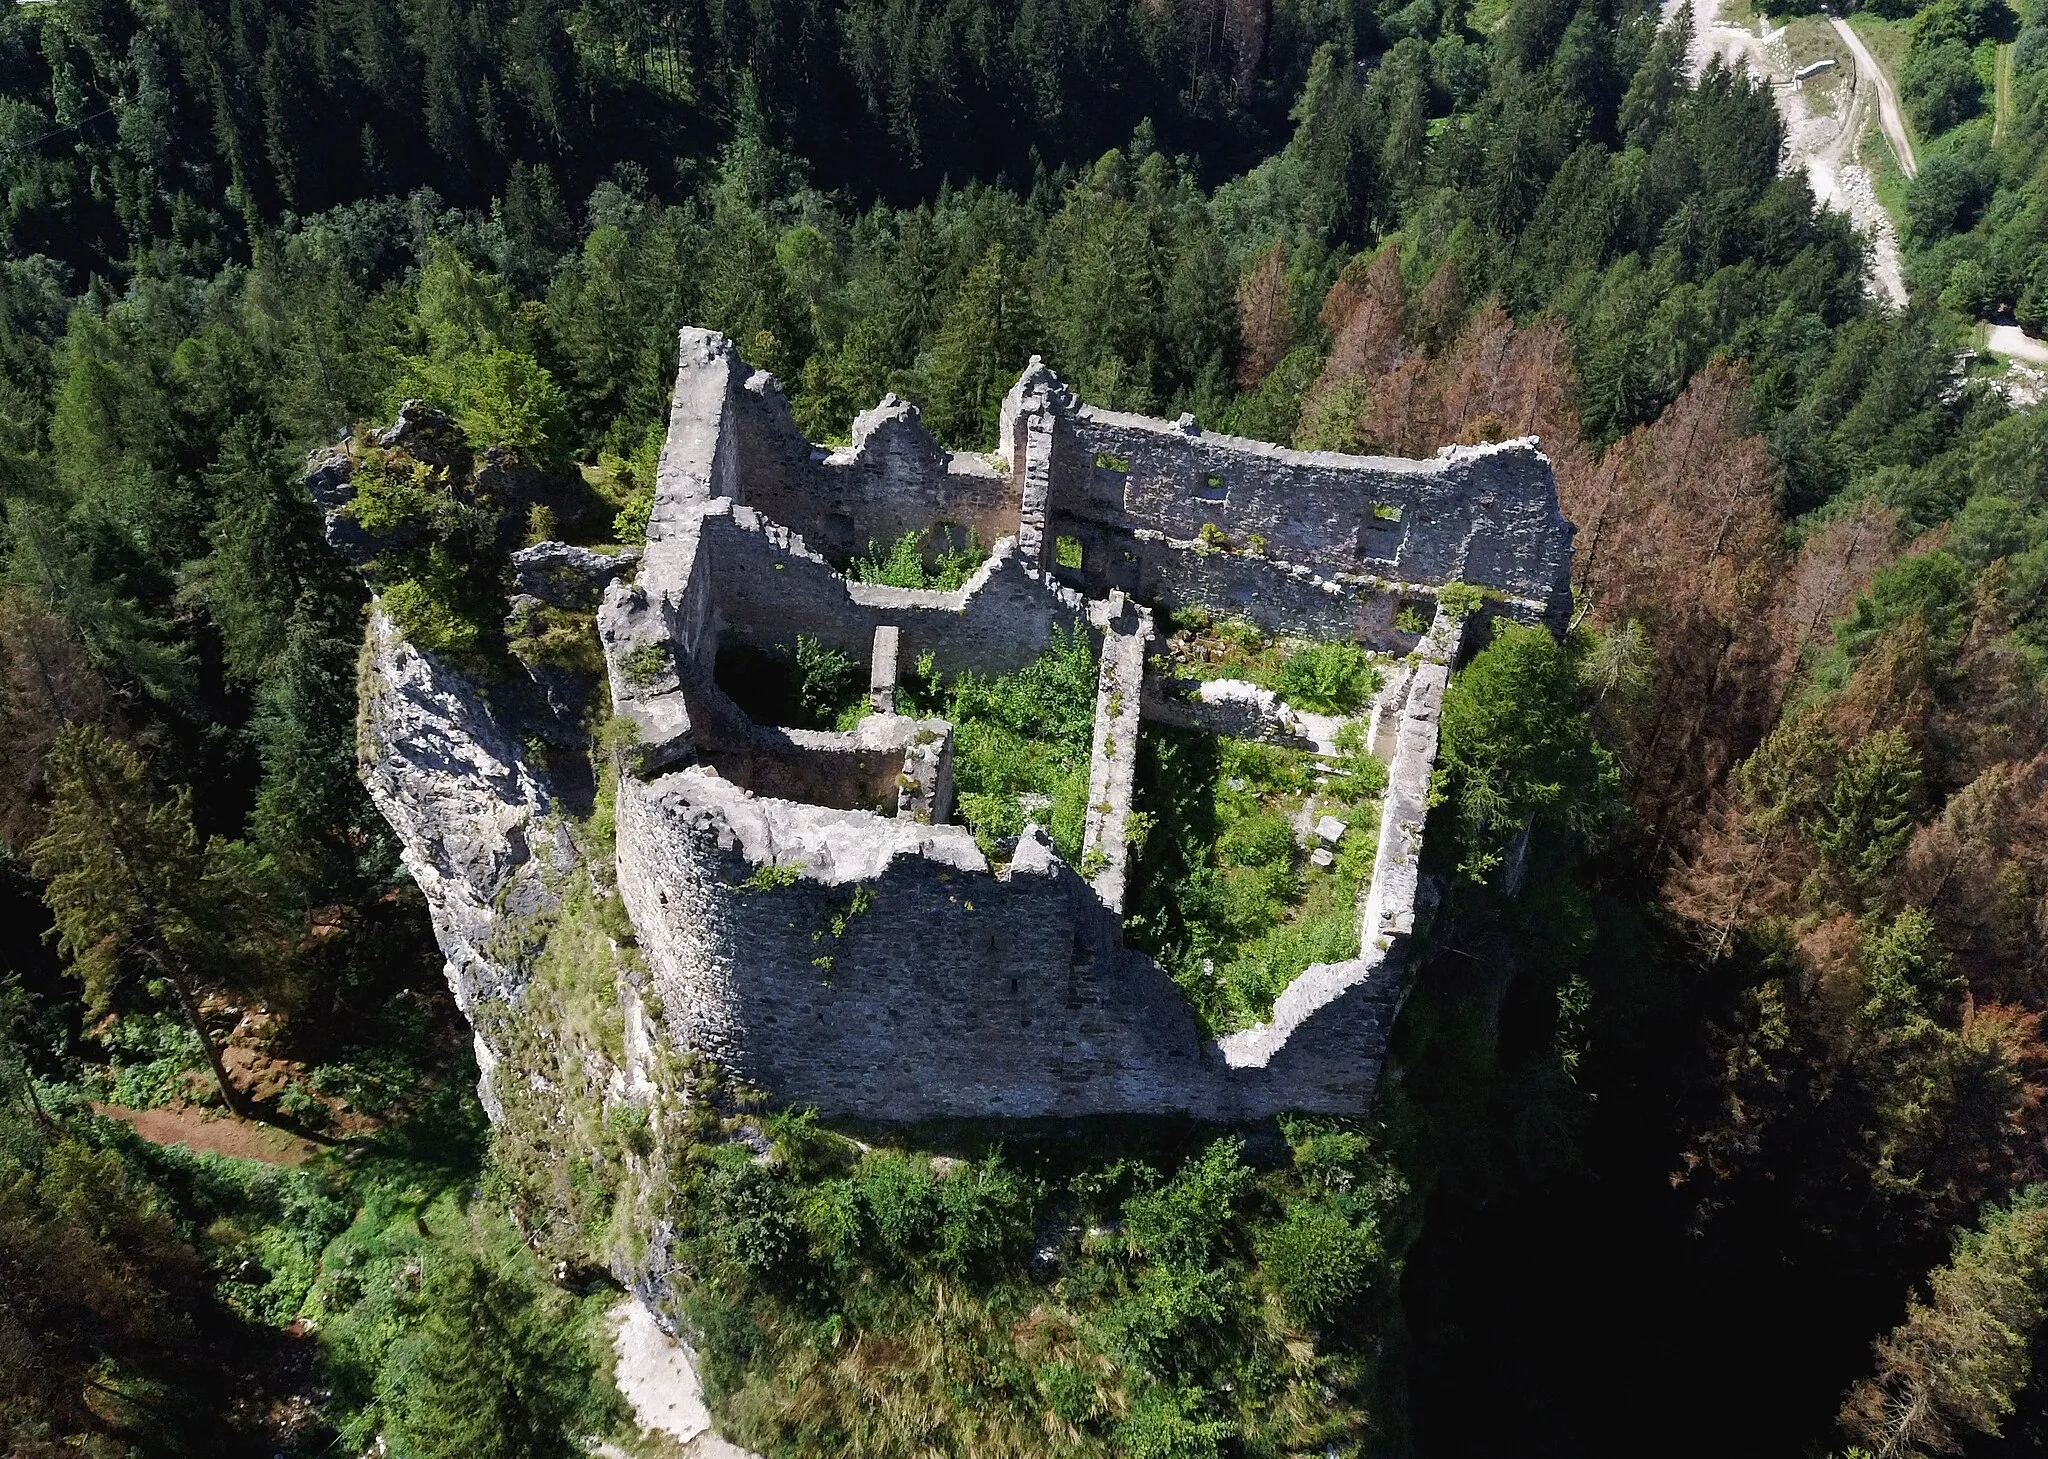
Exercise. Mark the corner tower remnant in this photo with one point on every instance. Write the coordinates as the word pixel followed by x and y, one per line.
pixel 813 920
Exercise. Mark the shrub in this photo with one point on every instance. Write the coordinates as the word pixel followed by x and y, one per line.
pixel 1941 87
pixel 1184 1221
pixel 1027 733
pixel 1317 1260
pixel 396 497
pixel 1950 192
pixel 903 564
pixel 1328 678
pixel 430 619
pixel 827 681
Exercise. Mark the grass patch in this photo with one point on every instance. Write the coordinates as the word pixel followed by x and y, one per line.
pixel 1809 38
pixel 1021 742
pixel 1226 897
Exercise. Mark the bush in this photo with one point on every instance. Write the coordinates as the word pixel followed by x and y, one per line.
pixel 1941 87
pixel 903 565
pixel 1184 1221
pixel 1027 733
pixel 828 683
pixel 1318 1260
pixel 1328 678
pixel 431 619
pixel 1949 194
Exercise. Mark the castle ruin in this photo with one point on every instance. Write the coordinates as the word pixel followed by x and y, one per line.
pixel 954 986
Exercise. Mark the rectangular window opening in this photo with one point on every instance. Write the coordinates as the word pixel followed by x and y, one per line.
pixel 1067 552
pixel 1213 489
pixel 1386 512
pixel 1108 462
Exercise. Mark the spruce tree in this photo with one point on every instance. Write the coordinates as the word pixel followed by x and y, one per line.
pixel 984 341
pixel 494 1372
pixel 134 890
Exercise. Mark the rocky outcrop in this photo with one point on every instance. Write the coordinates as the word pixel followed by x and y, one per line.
pixel 476 821
pixel 568 577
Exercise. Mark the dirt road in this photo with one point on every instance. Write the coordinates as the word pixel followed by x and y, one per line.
pixel 2007 340
pixel 1888 113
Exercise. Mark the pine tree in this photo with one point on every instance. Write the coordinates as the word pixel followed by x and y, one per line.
pixel 1264 319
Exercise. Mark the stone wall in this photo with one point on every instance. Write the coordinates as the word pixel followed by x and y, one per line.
pixel 1306 542
pixel 877 967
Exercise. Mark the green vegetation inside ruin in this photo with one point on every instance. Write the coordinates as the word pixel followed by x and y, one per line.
pixel 938 557
pixel 1021 742
pixel 808 686
pixel 1321 677
pixel 1147 1290
pixel 1225 895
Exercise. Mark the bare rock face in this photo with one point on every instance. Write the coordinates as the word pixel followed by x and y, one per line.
pixel 474 819
pixel 566 576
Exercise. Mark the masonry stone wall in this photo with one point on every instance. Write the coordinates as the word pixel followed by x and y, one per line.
pixel 1303 542
pixel 1485 515
pixel 946 989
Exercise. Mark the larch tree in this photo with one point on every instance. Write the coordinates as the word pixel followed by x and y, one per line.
pixel 1263 317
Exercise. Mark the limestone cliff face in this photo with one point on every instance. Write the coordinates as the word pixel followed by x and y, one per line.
pixel 475 819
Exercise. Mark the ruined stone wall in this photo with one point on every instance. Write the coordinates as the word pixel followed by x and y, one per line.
pixel 873 767
pixel 1485 515
pixel 945 990
pixel 891 479
pixel 769 587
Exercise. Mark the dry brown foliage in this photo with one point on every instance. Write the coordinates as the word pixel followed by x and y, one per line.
pixel 1263 317
pixel 1980 868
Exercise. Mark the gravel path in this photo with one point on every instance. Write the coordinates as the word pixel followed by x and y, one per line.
pixel 2007 340
pixel 1823 144
pixel 1887 99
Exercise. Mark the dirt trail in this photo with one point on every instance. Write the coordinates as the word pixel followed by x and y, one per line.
pixel 2006 339
pixel 1888 112
pixel 199 1129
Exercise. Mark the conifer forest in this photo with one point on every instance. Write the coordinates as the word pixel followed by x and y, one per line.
pixel 1716 1118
